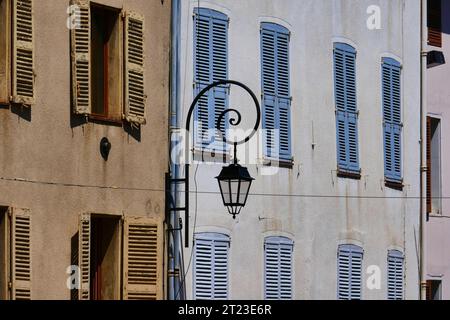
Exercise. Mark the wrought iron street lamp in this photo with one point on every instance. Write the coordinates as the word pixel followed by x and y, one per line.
pixel 234 179
pixel 234 183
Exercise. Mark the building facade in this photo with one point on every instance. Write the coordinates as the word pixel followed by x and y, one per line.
pixel 84 93
pixel 333 210
pixel 438 146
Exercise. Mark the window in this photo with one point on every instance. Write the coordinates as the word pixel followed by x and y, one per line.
pixel 434 23
pixel 434 192
pixel 349 272
pixel 104 251
pixel 17 52
pixel 392 125
pixel 395 275
pixel 105 57
pixel 276 91
pixel 210 64
pixel 15 254
pixel 434 290
pixel 346 110
pixel 107 71
pixel 278 268
pixel 211 266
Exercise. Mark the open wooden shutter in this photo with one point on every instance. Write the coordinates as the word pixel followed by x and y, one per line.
pixel 395 275
pixel 84 255
pixel 211 266
pixel 428 293
pixel 135 97
pixel 5 52
pixel 142 259
pixel 20 254
pixel 23 53
pixel 346 108
pixel 349 272
pixel 278 268
pixel 391 101
pixel 434 23
pixel 428 154
pixel 81 55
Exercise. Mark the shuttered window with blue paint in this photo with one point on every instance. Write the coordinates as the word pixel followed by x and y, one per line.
pixel 346 108
pixel 276 91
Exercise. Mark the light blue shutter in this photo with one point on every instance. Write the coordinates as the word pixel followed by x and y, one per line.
pixel 349 272
pixel 276 91
pixel 346 110
pixel 395 275
pixel 278 268
pixel 211 266
pixel 210 64
pixel 392 126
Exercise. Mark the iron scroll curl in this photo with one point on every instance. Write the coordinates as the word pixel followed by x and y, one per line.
pixel 232 120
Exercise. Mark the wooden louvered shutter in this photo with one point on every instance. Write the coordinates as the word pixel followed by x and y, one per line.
pixel 428 294
pixel 346 108
pixel 5 40
pixel 391 100
pixel 278 268
pixel 23 53
pixel 142 259
pixel 211 266
pixel 395 275
pixel 81 56
pixel 434 23
pixel 210 64
pixel 135 97
pixel 428 160
pixel 84 255
pixel 349 272
pixel 20 254
pixel 276 91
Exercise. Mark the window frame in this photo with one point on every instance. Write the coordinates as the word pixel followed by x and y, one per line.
pixel 342 112
pixel 212 237
pixel 352 249
pixel 278 241
pixel 213 147
pixel 285 161
pixel 119 110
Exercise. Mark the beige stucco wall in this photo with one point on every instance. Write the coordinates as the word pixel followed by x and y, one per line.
pixel 47 148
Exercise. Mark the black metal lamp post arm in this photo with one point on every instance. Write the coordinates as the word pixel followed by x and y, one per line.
pixel 232 121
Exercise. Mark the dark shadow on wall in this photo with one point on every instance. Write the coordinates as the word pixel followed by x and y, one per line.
pixel 74 262
pixel 22 111
pixel 133 130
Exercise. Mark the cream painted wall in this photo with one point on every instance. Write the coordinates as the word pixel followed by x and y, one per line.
pixel 374 216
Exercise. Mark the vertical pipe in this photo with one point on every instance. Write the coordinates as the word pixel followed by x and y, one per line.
pixel 174 246
pixel 423 168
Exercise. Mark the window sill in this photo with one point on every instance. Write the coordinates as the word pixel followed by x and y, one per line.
pixel 392 184
pixel 105 120
pixel 356 175
pixel 207 155
pixel 281 163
